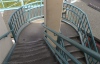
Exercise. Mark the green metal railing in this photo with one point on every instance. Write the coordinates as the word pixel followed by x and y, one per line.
pixel 5 35
pixel 62 52
pixel 73 16
pixel 78 19
pixel 24 15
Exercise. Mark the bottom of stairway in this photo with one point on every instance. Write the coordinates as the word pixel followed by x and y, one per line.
pixel 32 53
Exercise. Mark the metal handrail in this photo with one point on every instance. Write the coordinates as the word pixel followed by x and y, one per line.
pixel 19 18
pixel 64 50
pixel 23 15
pixel 88 51
pixel 5 35
pixel 78 19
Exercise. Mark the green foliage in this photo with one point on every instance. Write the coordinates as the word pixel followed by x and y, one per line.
pixel 15 4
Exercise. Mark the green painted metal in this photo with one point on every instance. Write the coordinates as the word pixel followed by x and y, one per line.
pixel 74 16
pixel 66 53
pixel 56 53
pixel 23 15
pixel 5 35
pixel 78 19
pixel 85 49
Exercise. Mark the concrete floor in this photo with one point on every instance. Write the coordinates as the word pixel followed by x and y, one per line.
pixel 34 31
pixel 93 15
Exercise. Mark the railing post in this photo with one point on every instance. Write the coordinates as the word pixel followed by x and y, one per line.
pixel 52 15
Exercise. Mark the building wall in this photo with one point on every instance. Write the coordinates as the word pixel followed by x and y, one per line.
pixel 5 43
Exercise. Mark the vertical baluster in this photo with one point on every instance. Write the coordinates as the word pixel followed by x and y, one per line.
pixel 17 20
pixel 34 10
pixel 20 17
pixel 23 16
pixel 69 12
pixel 14 24
pixel 41 8
pixel 37 9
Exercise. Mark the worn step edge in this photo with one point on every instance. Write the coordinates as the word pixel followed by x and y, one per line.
pixel 35 59
pixel 77 58
pixel 33 43
pixel 41 52
pixel 28 47
pixel 31 50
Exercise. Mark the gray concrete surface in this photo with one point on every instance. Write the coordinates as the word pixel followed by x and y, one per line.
pixel 94 2
pixel 34 31
pixel 93 15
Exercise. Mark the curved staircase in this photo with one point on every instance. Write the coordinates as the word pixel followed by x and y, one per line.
pixel 32 53
pixel 75 43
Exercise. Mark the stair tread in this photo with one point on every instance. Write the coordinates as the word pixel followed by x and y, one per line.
pixel 48 60
pixel 32 42
pixel 77 55
pixel 28 47
pixel 38 54
pixel 75 39
pixel 82 60
pixel 30 50
pixel 29 54
pixel 71 48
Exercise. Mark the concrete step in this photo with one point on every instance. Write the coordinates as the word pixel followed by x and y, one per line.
pixel 82 60
pixel 42 60
pixel 28 46
pixel 73 38
pixel 32 54
pixel 32 42
pixel 71 48
pixel 77 55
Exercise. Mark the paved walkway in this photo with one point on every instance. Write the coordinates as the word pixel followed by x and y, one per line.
pixel 93 15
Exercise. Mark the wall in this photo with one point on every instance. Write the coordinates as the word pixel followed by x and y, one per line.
pixel 5 43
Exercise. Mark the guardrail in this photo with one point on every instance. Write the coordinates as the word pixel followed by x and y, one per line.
pixel 25 14
pixel 78 19
pixel 60 51
pixel 5 35
pixel 73 15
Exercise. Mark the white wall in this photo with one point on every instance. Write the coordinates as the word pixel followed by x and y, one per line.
pixel 5 43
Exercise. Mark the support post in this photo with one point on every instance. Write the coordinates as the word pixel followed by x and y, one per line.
pixel 52 16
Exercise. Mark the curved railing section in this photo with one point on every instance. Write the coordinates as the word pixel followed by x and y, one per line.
pixel 61 53
pixel 25 14
pixel 72 15
pixel 78 19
